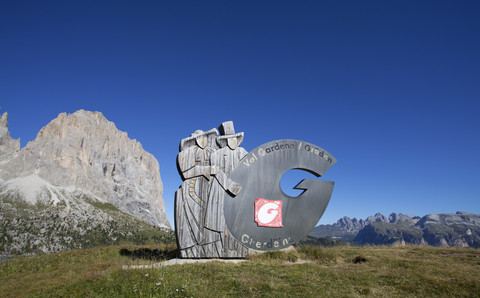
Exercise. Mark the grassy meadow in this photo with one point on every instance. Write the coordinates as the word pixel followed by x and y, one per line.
pixel 306 272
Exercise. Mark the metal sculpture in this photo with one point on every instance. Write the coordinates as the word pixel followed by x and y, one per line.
pixel 222 162
pixel 205 162
pixel 231 201
pixel 262 216
pixel 193 163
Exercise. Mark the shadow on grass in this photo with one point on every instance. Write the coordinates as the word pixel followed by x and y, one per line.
pixel 150 254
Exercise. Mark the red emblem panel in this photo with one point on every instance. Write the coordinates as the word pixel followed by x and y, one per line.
pixel 268 213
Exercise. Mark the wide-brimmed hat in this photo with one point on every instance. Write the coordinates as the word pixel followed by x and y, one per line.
pixel 190 141
pixel 227 130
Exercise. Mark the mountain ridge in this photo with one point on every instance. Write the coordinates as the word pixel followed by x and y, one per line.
pixel 461 229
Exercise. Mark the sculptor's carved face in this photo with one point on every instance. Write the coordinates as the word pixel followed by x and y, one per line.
pixel 202 141
pixel 232 143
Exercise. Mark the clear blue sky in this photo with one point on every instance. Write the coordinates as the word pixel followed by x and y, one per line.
pixel 390 88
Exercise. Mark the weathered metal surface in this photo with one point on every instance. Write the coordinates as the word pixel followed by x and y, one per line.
pixel 205 162
pixel 258 174
pixel 193 163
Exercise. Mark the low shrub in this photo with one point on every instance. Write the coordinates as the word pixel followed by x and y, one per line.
pixel 359 259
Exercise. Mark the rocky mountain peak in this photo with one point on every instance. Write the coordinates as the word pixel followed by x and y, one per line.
pixel 396 217
pixel 85 151
pixel 450 219
pixel 378 217
pixel 7 144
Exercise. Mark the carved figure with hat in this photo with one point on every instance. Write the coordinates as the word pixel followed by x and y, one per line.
pixel 193 163
pixel 222 163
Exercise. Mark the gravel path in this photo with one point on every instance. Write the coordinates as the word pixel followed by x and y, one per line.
pixel 181 262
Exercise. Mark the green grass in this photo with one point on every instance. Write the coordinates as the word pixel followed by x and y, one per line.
pixel 306 272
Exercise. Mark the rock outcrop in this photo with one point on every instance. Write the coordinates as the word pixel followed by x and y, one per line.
pixel 7 144
pixel 85 152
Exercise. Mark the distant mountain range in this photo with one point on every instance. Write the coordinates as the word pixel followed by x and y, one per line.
pixel 461 229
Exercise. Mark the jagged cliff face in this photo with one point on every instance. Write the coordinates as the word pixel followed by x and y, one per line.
pixel 7 144
pixel 84 152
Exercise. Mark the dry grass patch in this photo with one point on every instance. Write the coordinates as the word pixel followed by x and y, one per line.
pixel 385 271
